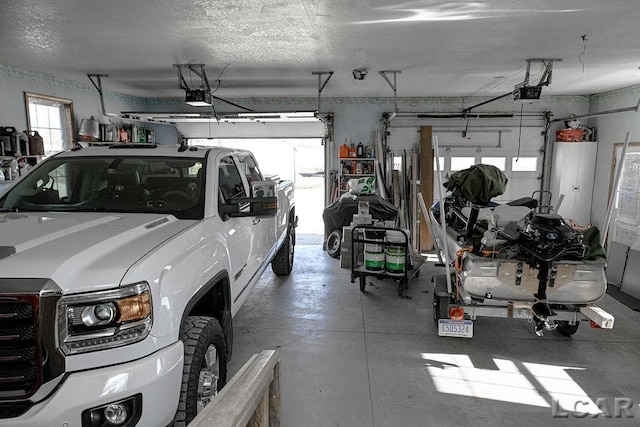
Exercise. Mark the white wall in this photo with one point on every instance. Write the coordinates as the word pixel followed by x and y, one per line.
pixel 86 100
pixel 611 129
pixel 355 118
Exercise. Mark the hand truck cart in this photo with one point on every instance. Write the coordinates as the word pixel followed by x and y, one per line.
pixel 385 254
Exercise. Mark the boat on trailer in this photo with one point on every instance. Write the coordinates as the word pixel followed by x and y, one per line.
pixel 514 260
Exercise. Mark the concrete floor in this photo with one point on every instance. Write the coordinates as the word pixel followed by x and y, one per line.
pixel 352 358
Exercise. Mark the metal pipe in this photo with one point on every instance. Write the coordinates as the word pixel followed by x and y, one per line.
pixel 98 85
pixel 468 109
pixel 601 113
pixel 321 85
pixel 443 221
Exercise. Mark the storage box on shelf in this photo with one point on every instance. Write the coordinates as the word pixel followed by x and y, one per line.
pixel 354 168
pixel 18 151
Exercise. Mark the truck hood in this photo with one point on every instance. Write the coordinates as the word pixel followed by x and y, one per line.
pixel 80 250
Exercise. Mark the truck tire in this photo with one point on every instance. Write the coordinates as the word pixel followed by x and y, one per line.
pixel 227 327
pixel 282 263
pixel 205 366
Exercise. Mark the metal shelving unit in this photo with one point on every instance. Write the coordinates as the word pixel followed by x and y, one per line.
pixel 354 167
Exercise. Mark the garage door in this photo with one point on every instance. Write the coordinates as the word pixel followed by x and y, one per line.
pixel 514 150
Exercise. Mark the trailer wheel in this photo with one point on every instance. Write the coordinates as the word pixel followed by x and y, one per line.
pixel 363 283
pixel 567 329
pixel 333 244
pixel 401 287
pixel 205 366
pixel 440 308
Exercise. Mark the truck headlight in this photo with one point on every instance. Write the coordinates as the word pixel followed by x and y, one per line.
pixel 104 319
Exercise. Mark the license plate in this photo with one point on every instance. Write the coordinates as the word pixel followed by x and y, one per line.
pixel 455 328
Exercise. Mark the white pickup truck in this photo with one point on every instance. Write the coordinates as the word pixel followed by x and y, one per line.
pixel 121 269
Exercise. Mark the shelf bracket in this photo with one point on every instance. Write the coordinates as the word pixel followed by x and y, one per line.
pixel 322 84
pixel 394 87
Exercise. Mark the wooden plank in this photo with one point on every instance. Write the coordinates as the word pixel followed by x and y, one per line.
pixel 275 404
pixel 236 403
pixel 415 220
pixel 260 417
pixel 396 188
pixel 426 182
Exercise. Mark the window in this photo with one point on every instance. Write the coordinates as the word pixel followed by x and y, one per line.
pixel 250 168
pixel 460 163
pixel 231 184
pixel 499 162
pixel 110 184
pixel 52 118
pixel 524 164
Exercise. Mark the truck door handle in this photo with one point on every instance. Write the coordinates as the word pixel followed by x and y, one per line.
pixel 255 221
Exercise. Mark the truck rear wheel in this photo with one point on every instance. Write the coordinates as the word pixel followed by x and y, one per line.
pixel 205 366
pixel 282 263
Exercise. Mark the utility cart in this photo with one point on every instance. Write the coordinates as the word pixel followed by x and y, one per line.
pixel 382 252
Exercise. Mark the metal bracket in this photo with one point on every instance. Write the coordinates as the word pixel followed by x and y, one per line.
pixel 322 84
pixel 545 79
pixel 393 86
pixel 97 83
pixel 198 70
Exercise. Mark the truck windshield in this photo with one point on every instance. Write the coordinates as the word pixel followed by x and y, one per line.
pixel 112 184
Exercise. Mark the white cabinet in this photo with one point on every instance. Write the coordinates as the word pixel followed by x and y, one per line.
pixel 572 175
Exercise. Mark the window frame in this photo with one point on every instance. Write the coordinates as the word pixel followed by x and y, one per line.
pixel 68 134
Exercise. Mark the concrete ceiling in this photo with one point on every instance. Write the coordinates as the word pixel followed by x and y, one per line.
pixel 270 48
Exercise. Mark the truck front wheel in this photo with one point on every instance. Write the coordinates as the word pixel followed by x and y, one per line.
pixel 205 366
pixel 282 263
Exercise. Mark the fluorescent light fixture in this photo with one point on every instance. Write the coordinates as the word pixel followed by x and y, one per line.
pixel 198 98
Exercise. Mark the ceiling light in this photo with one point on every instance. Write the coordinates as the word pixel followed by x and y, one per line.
pixel 359 73
pixel 198 98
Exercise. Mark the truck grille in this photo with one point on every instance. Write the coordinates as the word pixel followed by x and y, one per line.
pixel 20 356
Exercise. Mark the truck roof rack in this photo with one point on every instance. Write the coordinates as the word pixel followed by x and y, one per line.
pixel 133 145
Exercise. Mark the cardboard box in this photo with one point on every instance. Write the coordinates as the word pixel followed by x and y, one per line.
pixel 362 219
pixel 345 247
pixel 570 135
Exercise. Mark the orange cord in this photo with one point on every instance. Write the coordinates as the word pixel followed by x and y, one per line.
pixel 458 265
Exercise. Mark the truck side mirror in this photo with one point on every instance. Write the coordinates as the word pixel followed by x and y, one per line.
pixel 250 206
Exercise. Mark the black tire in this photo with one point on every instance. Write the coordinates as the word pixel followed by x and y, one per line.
pixel 440 308
pixel 363 283
pixel 333 244
pixel 227 328
pixel 202 337
pixel 566 329
pixel 282 263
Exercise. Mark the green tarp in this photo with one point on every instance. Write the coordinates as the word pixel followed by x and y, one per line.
pixel 478 184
